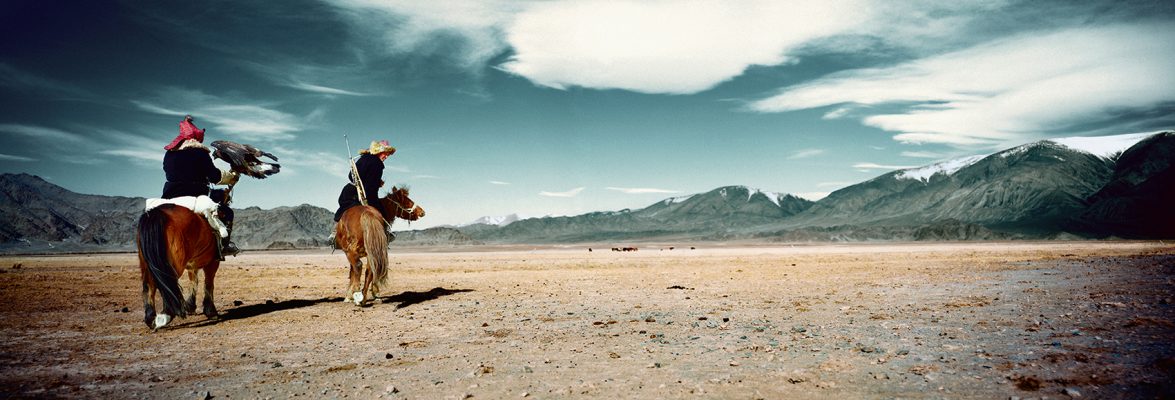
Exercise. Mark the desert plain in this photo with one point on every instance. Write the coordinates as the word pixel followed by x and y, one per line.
pixel 991 320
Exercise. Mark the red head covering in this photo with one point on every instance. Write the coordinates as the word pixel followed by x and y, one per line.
pixel 188 130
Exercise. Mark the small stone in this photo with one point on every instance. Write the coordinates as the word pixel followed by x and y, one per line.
pixel 525 394
pixel 734 363
pixel 238 303
pixel 1072 392
pixel 391 389
pixel 205 395
pixel 388 356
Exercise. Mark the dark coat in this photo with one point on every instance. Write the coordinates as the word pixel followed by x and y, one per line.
pixel 189 172
pixel 371 171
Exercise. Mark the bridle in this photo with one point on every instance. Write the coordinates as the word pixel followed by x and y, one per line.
pixel 400 208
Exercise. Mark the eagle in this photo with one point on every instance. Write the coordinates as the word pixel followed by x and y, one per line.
pixel 245 159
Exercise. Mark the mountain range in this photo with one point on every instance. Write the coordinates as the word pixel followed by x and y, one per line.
pixel 1114 186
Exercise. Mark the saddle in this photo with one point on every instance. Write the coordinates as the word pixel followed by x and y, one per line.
pixel 202 205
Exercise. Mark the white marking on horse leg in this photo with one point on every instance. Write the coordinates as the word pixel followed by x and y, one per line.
pixel 358 297
pixel 162 320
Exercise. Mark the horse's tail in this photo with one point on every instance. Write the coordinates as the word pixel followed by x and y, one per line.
pixel 153 249
pixel 375 240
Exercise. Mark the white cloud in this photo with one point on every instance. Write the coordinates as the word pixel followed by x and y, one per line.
pixel 805 153
pixel 499 183
pixel 662 46
pixel 641 190
pixel 1007 90
pixel 9 157
pixel 569 193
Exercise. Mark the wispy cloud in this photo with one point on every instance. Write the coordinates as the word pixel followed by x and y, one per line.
pixel 569 193
pixel 422 177
pixel 1008 90
pixel 295 161
pixel 641 190
pixel 867 166
pixel 45 135
pixel 324 89
pixel 19 79
pixel 140 156
pixel 499 183
pixel 922 154
pixel 244 120
pixel 805 153
pixel 9 157
pixel 426 28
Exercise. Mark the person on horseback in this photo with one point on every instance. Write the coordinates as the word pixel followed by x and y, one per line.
pixel 188 167
pixel 370 167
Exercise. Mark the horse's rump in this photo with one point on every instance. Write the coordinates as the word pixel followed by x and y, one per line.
pixel 153 250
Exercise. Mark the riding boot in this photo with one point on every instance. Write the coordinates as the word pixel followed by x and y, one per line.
pixel 227 247
pixel 391 235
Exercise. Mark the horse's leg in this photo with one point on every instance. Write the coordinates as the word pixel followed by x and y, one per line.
pixel 148 295
pixel 368 276
pixel 209 289
pixel 190 298
pixel 353 293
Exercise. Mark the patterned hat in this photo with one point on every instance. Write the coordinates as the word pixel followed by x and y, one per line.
pixel 379 147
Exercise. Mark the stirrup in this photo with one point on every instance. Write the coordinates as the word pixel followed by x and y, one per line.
pixel 229 249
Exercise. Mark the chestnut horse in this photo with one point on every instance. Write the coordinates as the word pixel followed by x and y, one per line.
pixel 172 240
pixel 360 233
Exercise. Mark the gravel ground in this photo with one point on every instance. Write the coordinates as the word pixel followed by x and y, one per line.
pixel 945 320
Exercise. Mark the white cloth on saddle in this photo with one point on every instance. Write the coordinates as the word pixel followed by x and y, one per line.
pixel 202 205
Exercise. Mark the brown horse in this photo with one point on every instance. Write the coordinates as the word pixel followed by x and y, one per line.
pixel 360 233
pixel 172 240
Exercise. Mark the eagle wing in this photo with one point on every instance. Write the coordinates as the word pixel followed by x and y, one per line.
pixel 243 159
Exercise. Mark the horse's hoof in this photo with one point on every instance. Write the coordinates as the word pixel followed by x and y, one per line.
pixel 358 298
pixel 162 320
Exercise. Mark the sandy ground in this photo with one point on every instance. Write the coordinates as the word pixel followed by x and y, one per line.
pixel 959 320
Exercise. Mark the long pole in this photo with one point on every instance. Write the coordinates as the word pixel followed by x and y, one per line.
pixel 355 173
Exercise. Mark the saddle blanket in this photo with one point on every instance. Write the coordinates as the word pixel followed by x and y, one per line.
pixel 202 205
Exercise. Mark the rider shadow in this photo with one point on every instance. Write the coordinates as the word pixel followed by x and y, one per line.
pixel 409 298
pixel 254 310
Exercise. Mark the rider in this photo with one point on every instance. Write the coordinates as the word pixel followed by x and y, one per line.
pixel 370 166
pixel 188 167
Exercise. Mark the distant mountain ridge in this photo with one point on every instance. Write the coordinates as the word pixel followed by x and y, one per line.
pixel 1122 186
pixel 38 216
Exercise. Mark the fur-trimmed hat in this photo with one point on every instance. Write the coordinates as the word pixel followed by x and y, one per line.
pixel 188 130
pixel 379 147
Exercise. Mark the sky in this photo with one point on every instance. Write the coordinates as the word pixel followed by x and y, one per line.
pixel 563 107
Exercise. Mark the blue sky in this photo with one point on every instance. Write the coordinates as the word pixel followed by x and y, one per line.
pixel 565 107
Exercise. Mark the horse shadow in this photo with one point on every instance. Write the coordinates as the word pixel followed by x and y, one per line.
pixel 254 310
pixel 412 298
pixel 404 299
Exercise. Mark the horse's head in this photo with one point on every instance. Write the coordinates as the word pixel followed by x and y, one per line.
pixel 399 205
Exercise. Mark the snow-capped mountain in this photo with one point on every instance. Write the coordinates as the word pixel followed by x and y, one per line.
pixel 1036 187
pixel 500 220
